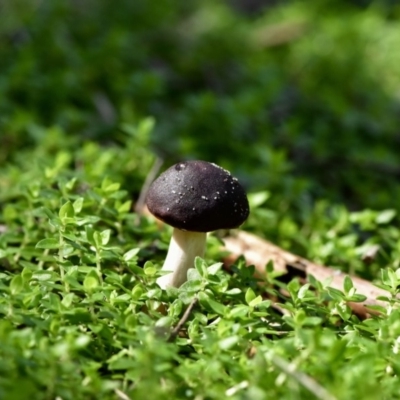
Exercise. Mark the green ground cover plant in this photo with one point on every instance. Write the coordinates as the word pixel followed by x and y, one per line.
pixel 82 317
pixel 298 99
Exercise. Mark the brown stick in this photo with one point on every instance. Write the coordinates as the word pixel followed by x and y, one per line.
pixel 259 252
pixel 183 320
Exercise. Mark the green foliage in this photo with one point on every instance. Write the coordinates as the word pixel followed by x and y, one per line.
pixel 82 316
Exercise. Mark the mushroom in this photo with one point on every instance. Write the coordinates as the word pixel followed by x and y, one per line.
pixel 195 197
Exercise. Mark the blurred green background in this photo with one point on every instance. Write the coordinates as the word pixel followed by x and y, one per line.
pixel 300 98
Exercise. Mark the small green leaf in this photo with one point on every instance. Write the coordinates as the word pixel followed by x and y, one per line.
pixel 269 268
pixel 91 281
pixel 77 205
pixel 66 211
pixel 26 274
pixel 109 186
pixel 145 126
pixel 175 309
pixel 122 363
pixel 97 239
pixel 357 298
pixel 54 301
pixel 130 254
pixel 255 301
pixel 264 304
pixel 131 322
pixel 55 222
pixel 105 236
pixel 312 321
pixel 90 235
pixel 149 268
pixel 62 159
pixel 293 287
pixel 213 269
pixel 48 212
pixel 211 304
pixel 229 342
pixel 193 275
pixel 385 216
pixel 67 300
pixel 240 311
pixel 66 250
pixel 303 291
pixel 201 267
pixel 70 184
pixel 82 341
pixel 124 207
pixel 42 276
pixel 257 199
pixel 250 295
pixel 16 284
pixel 137 292
pixel 89 219
pixel 48 243
pixel 343 310
pixel 233 291
pixel 315 283
pixel 300 317
pixel 150 271
pixel 394 281
pixel 106 182
pixel 113 187
pixel 192 285
pixel 347 284
pixel 335 294
pixel 164 322
pixel 34 189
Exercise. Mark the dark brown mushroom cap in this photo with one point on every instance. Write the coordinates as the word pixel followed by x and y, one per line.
pixel 198 196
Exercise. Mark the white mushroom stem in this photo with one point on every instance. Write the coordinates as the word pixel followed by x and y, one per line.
pixel 184 247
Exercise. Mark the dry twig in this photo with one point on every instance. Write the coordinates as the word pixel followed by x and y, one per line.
pixel 183 320
pixel 259 252
pixel 303 379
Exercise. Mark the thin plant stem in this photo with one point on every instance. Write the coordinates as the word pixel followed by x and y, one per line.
pixel 183 320
pixel 61 260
